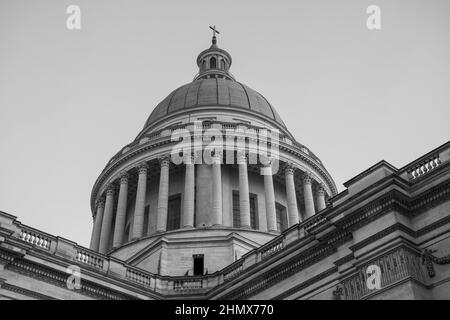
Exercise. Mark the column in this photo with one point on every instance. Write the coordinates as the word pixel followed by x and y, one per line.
pixel 139 209
pixel 270 198
pixel 95 239
pixel 163 195
pixel 121 213
pixel 307 193
pixel 217 190
pixel 189 193
pixel 320 196
pixel 107 220
pixel 244 198
pixel 291 196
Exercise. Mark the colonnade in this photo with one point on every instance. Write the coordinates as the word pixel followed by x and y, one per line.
pixel 104 217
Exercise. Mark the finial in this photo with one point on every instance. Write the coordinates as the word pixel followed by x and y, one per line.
pixel 214 39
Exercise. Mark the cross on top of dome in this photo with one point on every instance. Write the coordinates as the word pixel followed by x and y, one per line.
pixel 214 39
pixel 214 62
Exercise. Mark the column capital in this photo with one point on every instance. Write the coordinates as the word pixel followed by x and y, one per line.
pixel 289 168
pixel 307 178
pixel 265 161
pixel 190 158
pixel 164 161
pixel 123 177
pixel 142 167
pixel 241 158
pixel 110 188
pixel 321 189
pixel 100 203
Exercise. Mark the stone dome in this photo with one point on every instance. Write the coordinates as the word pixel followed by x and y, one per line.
pixel 211 92
pixel 167 217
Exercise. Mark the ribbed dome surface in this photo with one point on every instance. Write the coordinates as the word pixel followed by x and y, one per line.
pixel 214 92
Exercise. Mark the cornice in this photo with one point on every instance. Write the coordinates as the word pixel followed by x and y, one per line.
pixel 59 278
pixel 26 292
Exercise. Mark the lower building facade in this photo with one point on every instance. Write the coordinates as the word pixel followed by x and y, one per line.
pixel 386 236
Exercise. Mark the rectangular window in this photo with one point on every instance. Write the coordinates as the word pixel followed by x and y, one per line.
pixel 146 217
pixel 236 210
pixel 198 264
pixel 281 217
pixel 173 212
pixel 253 211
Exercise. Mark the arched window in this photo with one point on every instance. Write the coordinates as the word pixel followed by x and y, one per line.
pixel 222 64
pixel 203 65
pixel 212 63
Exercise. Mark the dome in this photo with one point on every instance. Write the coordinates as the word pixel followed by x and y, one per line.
pixel 210 92
pixel 161 214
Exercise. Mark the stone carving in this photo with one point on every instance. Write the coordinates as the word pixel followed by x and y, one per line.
pixel 428 259
pixel 338 293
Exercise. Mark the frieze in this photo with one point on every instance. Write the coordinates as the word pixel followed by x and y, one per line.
pixel 396 265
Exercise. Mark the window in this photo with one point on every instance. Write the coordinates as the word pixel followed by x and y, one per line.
pixel 212 63
pixel 237 211
pixel 222 64
pixel 146 217
pixel 173 212
pixel 253 211
pixel 281 217
pixel 198 264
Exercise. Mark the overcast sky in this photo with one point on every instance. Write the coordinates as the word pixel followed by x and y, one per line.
pixel 69 100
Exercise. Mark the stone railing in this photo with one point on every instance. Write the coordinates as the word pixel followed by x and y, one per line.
pixel 272 247
pixel 141 277
pixel 35 238
pixel 315 221
pixel 424 167
pixel 233 270
pixel 426 164
pixel 187 284
pixel 395 266
pixel 89 258
pixel 167 285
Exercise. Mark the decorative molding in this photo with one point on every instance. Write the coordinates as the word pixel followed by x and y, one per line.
pixel 123 177
pixel 289 168
pixel 395 265
pixel 26 292
pixel 429 260
pixel 142 168
pixel 307 178
pixel 164 161
pixel 110 189
pixel 306 283
pixel 338 293
pixel 320 190
pixel 59 278
pixel 100 203
pixel 344 260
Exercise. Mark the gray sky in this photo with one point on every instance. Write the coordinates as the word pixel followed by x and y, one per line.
pixel 69 100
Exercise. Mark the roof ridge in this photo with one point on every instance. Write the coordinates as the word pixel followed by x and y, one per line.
pixel 246 93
